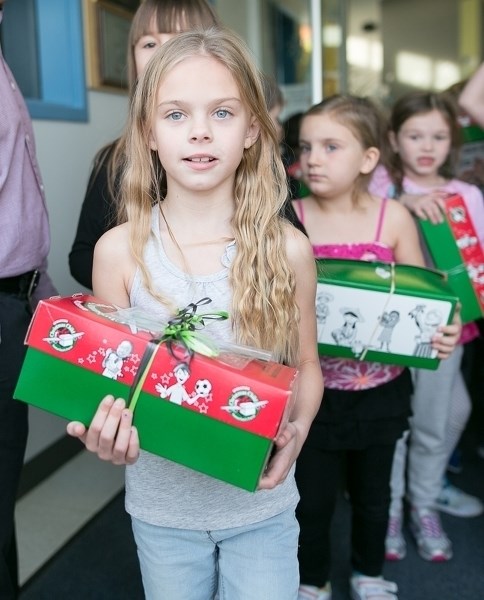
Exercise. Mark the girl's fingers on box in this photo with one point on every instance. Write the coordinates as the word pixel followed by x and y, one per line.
pixel 133 449
pixel 76 429
pixel 103 428
pixel 109 433
pixel 123 438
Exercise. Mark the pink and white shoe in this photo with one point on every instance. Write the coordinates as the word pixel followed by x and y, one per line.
pixel 395 545
pixel 372 588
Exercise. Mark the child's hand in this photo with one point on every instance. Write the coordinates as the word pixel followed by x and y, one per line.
pixel 447 336
pixel 426 206
pixel 111 434
pixel 287 448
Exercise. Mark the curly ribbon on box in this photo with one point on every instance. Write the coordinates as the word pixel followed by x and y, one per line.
pixel 182 331
pixel 387 301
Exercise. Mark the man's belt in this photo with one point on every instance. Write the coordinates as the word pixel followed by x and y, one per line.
pixel 20 285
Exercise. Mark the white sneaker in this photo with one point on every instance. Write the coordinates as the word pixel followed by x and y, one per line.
pixel 311 592
pixel 455 502
pixel 372 588
pixel 431 540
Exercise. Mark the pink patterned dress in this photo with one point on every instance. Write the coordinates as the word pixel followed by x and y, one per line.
pixel 343 373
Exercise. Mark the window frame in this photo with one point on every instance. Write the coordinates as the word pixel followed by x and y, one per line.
pixel 59 57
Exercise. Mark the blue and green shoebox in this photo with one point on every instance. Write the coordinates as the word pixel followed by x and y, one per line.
pixel 380 312
pixel 218 415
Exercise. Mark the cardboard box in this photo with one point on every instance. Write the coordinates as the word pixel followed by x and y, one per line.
pixel 215 415
pixel 381 312
pixel 455 249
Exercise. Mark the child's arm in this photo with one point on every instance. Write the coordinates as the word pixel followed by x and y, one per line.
pixel 111 434
pixel 429 206
pixel 310 381
pixel 401 234
pixel 113 267
pixel 472 96
pixel 425 206
pixel 407 251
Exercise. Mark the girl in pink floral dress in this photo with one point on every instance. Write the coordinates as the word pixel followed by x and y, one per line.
pixel 366 406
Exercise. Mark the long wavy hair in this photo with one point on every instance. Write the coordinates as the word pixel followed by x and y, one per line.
pixel 365 121
pixel 420 103
pixel 164 16
pixel 264 311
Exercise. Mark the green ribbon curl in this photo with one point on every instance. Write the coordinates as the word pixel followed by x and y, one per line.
pixel 182 332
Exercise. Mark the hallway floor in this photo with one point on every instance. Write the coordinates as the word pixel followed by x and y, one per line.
pixel 76 543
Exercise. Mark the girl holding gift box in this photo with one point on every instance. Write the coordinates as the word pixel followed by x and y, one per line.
pixel 202 190
pixel 424 142
pixel 366 406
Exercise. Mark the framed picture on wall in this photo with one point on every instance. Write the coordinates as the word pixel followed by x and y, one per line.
pixel 107 24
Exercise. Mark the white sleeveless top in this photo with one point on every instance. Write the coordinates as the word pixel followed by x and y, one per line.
pixel 165 493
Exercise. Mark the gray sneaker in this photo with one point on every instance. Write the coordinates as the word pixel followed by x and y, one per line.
pixel 432 542
pixel 395 546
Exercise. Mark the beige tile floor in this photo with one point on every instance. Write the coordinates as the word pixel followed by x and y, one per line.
pixel 50 514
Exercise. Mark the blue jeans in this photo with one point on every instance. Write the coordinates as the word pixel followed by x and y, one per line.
pixel 254 562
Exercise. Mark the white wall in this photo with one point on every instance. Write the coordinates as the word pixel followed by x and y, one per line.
pixel 65 151
pixel 421 44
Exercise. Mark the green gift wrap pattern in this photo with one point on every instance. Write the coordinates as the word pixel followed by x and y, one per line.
pixel 381 312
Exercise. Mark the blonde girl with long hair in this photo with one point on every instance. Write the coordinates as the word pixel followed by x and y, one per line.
pixel 202 191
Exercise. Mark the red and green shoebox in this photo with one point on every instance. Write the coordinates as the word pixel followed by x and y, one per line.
pixel 456 249
pixel 217 415
pixel 380 312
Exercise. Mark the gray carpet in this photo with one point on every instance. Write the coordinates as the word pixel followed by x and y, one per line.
pixel 100 563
